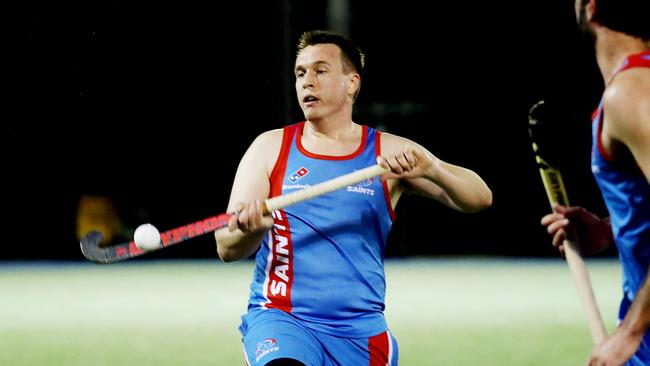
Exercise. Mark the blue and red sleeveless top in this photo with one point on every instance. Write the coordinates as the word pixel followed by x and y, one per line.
pixel 626 193
pixel 322 262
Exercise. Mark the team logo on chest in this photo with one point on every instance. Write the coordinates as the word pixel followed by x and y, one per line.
pixel 362 188
pixel 298 174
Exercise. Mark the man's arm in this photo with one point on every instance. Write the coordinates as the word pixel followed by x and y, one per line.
pixel 455 186
pixel 637 320
pixel 250 188
pixel 623 343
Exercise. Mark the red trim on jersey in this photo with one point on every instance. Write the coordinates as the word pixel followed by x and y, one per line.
pixel 354 154
pixel 384 184
pixel 277 174
pixel 632 61
pixel 378 349
pixel 599 140
pixel 637 60
pixel 595 114
pixel 280 273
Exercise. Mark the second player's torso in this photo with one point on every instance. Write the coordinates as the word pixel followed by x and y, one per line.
pixel 626 193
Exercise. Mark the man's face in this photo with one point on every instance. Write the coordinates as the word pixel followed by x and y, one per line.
pixel 322 87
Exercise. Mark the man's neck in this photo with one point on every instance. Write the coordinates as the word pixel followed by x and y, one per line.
pixel 336 130
pixel 612 48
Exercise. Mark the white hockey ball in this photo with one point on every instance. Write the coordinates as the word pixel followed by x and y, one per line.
pixel 147 237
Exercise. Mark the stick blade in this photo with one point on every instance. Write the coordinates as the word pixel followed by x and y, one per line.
pixel 91 249
pixel 543 133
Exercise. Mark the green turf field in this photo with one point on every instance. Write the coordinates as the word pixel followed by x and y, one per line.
pixel 451 311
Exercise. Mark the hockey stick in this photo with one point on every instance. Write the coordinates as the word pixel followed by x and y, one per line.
pixel 109 254
pixel 554 186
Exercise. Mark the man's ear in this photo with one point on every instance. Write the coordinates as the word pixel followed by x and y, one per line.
pixel 590 9
pixel 354 83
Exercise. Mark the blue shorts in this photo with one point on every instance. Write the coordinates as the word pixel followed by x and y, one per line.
pixel 642 355
pixel 271 334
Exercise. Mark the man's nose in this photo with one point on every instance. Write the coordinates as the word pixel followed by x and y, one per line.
pixel 308 80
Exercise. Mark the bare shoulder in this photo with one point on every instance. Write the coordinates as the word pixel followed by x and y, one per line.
pixel 627 100
pixel 266 147
pixel 269 138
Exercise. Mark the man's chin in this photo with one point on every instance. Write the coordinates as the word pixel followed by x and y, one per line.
pixel 310 114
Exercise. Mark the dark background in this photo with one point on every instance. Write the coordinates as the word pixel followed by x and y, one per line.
pixel 154 103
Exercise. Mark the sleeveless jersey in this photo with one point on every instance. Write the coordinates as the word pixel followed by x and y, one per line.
pixel 626 193
pixel 322 262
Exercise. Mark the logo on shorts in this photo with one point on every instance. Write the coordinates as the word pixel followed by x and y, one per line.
pixel 265 347
pixel 298 174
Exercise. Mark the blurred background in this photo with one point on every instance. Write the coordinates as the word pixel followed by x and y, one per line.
pixel 140 111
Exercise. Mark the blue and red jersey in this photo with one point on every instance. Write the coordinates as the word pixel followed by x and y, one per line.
pixel 323 261
pixel 626 193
